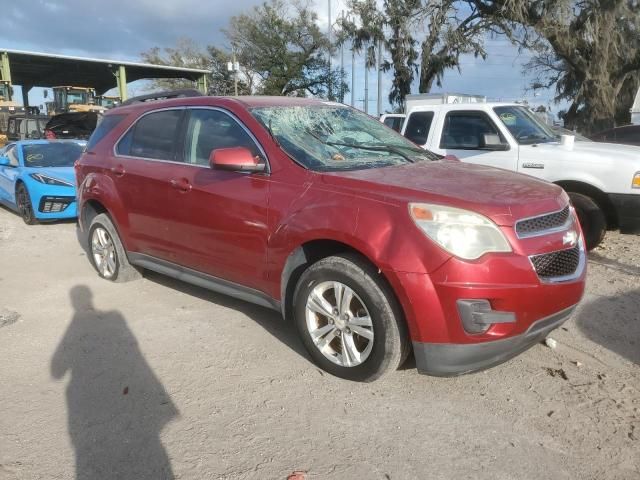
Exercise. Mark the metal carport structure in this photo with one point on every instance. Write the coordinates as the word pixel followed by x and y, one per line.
pixel 35 69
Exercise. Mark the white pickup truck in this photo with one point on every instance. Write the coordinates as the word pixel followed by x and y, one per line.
pixel 603 180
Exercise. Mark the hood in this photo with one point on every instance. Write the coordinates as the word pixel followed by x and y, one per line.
pixel 501 195
pixel 63 173
pixel 592 152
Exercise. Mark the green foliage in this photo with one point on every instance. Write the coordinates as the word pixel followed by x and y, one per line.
pixel 423 37
pixel 588 50
pixel 189 55
pixel 283 46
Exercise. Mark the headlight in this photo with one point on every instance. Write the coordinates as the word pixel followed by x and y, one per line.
pixel 465 234
pixel 635 183
pixel 42 178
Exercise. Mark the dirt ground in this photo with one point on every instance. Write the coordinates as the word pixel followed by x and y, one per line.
pixel 157 378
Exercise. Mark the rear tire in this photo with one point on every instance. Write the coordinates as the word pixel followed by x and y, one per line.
pixel 106 252
pixel 592 219
pixel 349 319
pixel 25 207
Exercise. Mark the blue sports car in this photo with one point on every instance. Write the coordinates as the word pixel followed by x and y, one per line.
pixel 37 178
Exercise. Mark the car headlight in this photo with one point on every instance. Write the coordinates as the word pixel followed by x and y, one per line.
pixel 635 183
pixel 465 234
pixel 42 178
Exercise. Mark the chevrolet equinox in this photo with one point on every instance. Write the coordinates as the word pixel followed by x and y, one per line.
pixel 372 246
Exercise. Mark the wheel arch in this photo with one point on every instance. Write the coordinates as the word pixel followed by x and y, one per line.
pixel 597 195
pixel 309 253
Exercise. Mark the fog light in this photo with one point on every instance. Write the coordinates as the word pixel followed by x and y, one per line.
pixel 477 315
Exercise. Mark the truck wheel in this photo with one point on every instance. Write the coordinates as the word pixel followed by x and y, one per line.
pixel 592 219
pixel 349 320
pixel 107 253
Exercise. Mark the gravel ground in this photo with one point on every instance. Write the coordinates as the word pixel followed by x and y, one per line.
pixel 156 378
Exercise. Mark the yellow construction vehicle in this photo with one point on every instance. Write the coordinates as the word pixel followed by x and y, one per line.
pixel 73 99
pixel 108 101
pixel 7 107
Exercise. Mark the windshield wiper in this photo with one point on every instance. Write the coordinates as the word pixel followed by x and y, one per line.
pixel 374 148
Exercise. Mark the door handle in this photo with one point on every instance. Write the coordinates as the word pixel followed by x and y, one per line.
pixel 118 171
pixel 182 184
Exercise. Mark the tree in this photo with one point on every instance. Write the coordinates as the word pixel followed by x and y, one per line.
pixel 588 50
pixel 189 55
pixel 283 46
pixel 424 38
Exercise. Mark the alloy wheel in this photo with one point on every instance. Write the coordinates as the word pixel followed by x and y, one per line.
pixel 104 252
pixel 339 324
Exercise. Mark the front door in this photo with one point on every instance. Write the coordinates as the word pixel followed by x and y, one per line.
pixel 219 218
pixel 8 174
pixel 473 137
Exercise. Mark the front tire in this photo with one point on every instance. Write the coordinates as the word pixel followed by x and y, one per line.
pixel 349 319
pixel 591 217
pixel 106 252
pixel 25 207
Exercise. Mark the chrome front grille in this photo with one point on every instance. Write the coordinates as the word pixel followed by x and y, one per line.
pixel 558 265
pixel 543 224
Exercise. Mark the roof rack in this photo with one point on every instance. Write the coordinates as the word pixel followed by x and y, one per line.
pixel 184 93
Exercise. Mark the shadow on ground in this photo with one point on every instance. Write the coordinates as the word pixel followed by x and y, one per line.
pixel 116 405
pixel 268 319
pixel 614 323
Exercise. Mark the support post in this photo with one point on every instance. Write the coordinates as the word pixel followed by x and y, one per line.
pixel 5 69
pixel 25 95
pixel 202 84
pixel 121 77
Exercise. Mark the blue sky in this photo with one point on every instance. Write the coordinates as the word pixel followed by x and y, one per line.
pixel 95 29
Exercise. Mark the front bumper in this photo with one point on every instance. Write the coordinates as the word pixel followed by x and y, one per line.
pixel 445 359
pixel 627 208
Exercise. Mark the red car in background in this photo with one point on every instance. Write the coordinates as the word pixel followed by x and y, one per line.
pixel 372 246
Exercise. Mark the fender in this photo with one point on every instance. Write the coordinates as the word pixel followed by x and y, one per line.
pixel 100 187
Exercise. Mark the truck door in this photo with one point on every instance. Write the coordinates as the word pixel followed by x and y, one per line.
pixel 472 136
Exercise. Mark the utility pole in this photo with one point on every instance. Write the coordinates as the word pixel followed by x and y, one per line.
pixel 342 64
pixel 379 77
pixel 353 75
pixel 235 73
pixel 330 46
pixel 366 85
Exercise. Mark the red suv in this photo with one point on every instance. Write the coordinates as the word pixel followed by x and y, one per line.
pixel 374 247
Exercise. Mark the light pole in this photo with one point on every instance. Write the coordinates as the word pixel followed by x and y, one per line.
pixel 233 67
pixel 353 75
pixel 366 84
pixel 379 77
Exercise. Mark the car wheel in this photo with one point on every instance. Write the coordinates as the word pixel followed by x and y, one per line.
pixel 106 252
pixel 591 217
pixel 25 207
pixel 349 319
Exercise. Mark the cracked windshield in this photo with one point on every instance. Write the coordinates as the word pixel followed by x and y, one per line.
pixel 327 138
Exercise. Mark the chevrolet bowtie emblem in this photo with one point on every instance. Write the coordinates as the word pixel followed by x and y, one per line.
pixel 570 238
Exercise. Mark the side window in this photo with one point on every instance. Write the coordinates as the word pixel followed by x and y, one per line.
pixel 418 126
pixel 208 130
pixel 467 130
pixel 154 135
pixel 12 126
pixel 12 153
pixel 105 125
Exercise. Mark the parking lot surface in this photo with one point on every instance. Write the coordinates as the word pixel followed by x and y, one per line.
pixel 158 379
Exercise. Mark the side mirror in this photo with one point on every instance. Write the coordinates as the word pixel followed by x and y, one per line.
pixel 4 161
pixel 235 159
pixel 492 141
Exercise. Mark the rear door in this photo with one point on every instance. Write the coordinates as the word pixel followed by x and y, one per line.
pixel 418 127
pixel 144 163
pixel 218 219
pixel 472 136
